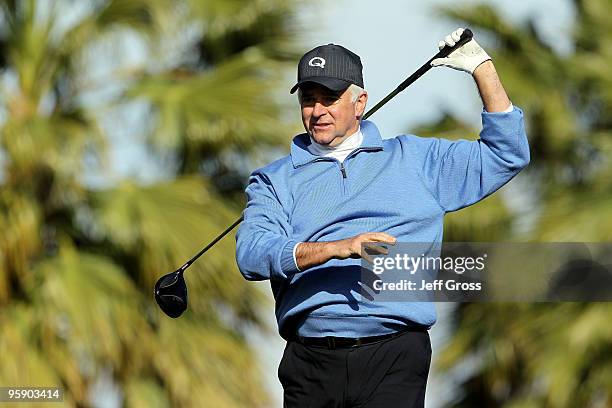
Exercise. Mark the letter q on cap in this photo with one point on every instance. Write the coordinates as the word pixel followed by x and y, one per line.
pixel 317 62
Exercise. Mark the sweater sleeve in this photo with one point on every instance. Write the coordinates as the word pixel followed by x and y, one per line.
pixel 264 248
pixel 460 173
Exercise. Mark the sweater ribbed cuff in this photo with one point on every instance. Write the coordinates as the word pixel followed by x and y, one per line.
pixel 295 256
pixel 287 262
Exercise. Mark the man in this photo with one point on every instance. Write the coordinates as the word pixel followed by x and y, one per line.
pixel 309 213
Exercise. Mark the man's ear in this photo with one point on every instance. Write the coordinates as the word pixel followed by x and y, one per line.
pixel 360 104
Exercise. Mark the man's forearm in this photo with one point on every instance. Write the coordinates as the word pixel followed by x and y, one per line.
pixel 492 93
pixel 309 254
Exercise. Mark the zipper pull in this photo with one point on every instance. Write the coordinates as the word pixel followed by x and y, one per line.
pixel 343 170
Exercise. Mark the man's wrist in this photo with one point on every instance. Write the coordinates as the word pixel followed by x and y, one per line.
pixel 483 69
pixel 334 249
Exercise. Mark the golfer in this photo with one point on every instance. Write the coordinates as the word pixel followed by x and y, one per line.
pixel 342 185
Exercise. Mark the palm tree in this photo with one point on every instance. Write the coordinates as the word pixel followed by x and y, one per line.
pixel 78 258
pixel 557 355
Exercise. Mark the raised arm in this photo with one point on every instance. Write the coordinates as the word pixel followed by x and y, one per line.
pixel 462 172
pixel 490 88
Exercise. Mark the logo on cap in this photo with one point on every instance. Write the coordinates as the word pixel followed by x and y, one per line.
pixel 317 62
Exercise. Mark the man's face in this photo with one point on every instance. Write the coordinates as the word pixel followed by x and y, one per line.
pixel 328 116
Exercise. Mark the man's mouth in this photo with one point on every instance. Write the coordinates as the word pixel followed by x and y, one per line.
pixel 321 126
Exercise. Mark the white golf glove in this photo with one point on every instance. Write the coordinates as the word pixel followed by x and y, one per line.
pixel 465 58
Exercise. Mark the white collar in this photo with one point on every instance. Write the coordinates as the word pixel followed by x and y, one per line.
pixel 338 152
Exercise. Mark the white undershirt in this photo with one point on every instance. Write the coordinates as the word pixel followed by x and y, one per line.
pixel 509 108
pixel 339 152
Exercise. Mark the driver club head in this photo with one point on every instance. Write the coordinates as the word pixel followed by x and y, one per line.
pixel 171 293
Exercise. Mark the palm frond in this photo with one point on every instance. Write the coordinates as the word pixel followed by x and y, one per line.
pixel 20 222
pixel 167 223
pixel 229 106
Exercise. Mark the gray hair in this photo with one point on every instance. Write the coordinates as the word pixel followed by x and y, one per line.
pixel 356 92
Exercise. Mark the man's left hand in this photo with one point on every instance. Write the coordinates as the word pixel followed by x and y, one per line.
pixel 466 58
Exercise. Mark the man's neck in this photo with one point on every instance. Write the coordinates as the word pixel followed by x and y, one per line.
pixel 337 144
pixel 339 152
pixel 338 140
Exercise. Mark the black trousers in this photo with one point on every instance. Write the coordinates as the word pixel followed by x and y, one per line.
pixel 389 373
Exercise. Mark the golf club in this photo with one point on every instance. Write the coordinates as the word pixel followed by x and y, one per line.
pixel 171 290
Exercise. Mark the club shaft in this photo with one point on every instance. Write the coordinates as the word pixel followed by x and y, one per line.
pixel 444 52
pixel 213 242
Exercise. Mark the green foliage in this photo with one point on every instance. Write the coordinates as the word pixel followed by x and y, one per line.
pixel 222 99
pixel 555 355
pixel 78 261
pixel 237 109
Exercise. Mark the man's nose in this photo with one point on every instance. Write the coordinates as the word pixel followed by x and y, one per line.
pixel 319 109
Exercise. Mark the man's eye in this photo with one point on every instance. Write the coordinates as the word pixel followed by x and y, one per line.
pixel 324 99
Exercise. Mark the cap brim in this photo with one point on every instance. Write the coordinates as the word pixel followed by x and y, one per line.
pixel 334 84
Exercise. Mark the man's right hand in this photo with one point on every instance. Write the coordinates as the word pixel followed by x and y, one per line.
pixel 356 246
pixel 309 254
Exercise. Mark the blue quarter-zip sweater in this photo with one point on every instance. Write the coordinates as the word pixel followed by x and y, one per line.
pixel 402 186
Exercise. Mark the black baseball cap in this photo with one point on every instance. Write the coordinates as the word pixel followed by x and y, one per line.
pixel 332 66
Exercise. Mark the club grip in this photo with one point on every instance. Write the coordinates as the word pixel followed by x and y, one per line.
pixel 465 37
